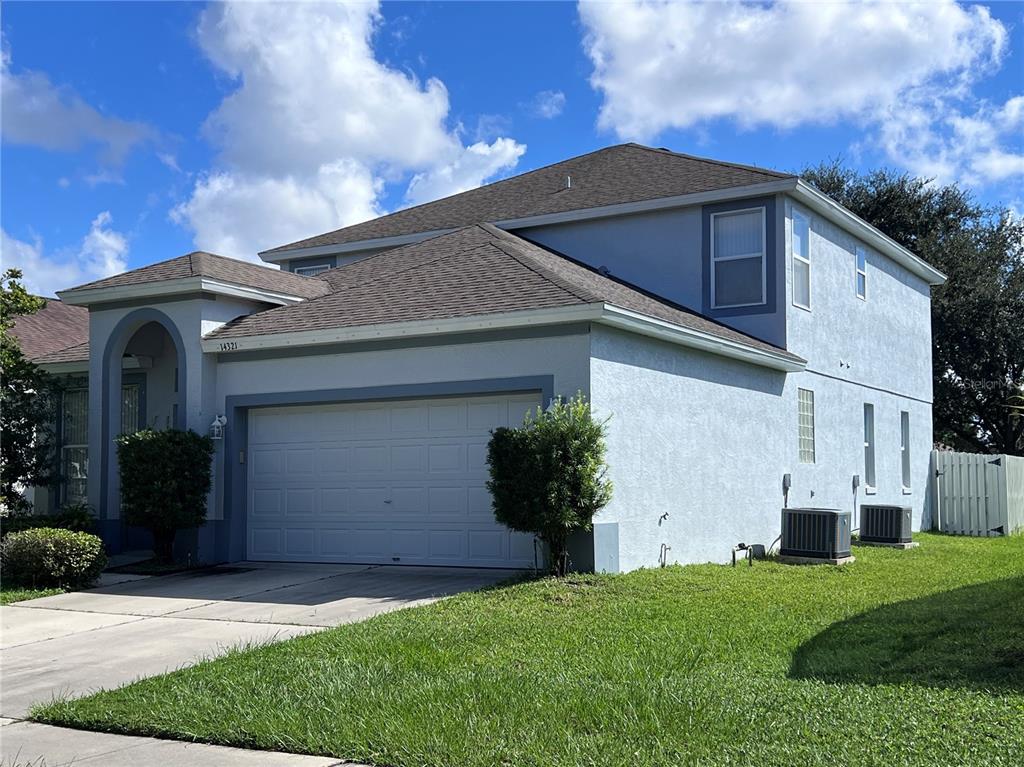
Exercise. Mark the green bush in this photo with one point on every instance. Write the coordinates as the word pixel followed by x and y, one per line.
pixel 47 557
pixel 73 516
pixel 165 478
pixel 548 476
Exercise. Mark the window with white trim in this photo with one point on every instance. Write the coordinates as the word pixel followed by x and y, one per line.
pixel 862 273
pixel 869 446
pixel 312 271
pixel 905 447
pixel 801 260
pixel 738 258
pixel 805 408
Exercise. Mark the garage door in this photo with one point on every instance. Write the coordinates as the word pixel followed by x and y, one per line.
pixel 398 482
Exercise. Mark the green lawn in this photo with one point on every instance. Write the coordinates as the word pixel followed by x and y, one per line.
pixel 903 658
pixel 20 595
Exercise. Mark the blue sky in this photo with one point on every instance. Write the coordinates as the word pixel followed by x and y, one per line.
pixel 135 132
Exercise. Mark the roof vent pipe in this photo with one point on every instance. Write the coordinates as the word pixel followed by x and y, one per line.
pixel 568 182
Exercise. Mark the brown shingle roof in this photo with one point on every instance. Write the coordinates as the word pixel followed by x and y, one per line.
pixel 76 353
pixel 476 270
pixel 56 326
pixel 202 264
pixel 610 176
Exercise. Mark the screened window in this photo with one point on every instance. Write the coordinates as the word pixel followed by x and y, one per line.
pixel 862 273
pixel 805 406
pixel 74 449
pixel 801 260
pixel 738 258
pixel 905 447
pixel 869 445
pixel 74 437
pixel 312 271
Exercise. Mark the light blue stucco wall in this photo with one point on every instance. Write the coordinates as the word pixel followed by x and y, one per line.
pixel 708 441
pixel 874 351
pixel 692 435
pixel 661 252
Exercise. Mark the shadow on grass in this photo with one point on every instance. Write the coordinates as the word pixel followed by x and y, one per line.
pixel 970 638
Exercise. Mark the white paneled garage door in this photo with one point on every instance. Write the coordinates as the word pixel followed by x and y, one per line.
pixel 399 482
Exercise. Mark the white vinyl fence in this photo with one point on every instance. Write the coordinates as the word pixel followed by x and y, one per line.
pixel 978 494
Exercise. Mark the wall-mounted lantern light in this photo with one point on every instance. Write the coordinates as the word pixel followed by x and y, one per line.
pixel 217 427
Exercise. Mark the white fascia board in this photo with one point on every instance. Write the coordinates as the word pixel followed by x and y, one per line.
pixel 642 324
pixel 582 214
pixel 606 314
pixel 144 290
pixel 394 330
pixel 851 222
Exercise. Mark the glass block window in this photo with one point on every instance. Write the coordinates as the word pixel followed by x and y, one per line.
pixel 805 403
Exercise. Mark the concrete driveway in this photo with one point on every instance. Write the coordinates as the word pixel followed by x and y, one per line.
pixel 72 644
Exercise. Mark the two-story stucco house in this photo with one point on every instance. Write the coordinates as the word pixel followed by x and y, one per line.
pixel 733 324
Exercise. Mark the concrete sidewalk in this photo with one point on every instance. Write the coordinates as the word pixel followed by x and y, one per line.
pixel 38 745
pixel 77 643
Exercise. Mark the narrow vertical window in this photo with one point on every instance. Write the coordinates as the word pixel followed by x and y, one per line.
pixel 905 447
pixel 74 446
pixel 862 273
pixel 738 258
pixel 869 446
pixel 805 406
pixel 801 261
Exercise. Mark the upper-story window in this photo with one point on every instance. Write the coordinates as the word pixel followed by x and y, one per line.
pixel 738 258
pixel 312 271
pixel 862 273
pixel 801 260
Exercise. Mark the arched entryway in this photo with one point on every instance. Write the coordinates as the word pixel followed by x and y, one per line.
pixel 144 372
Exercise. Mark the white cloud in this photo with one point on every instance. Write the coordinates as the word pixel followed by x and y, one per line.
pixel 466 171
pixel 548 104
pixel 239 215
pixel 901 71
pixel 101 253
pixel 316 126
pixel 38 113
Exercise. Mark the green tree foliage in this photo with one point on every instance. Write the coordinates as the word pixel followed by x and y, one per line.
pixel 27 403
pixel 977 316
pixel 165 478
pixel 548 476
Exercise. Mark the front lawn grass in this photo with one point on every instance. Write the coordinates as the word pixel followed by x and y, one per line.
pixel 9 595
pixel 902 658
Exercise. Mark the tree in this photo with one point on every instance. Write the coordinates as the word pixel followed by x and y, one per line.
pixel 27 403
pixel 548 476
pixel 977 316
pixel 165 478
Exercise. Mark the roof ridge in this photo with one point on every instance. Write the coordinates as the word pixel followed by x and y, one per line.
pixel 711 160
pixel 513 249
pixel 530 172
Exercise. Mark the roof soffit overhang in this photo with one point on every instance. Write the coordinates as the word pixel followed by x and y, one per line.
pixel 599 313
pixel 176 287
